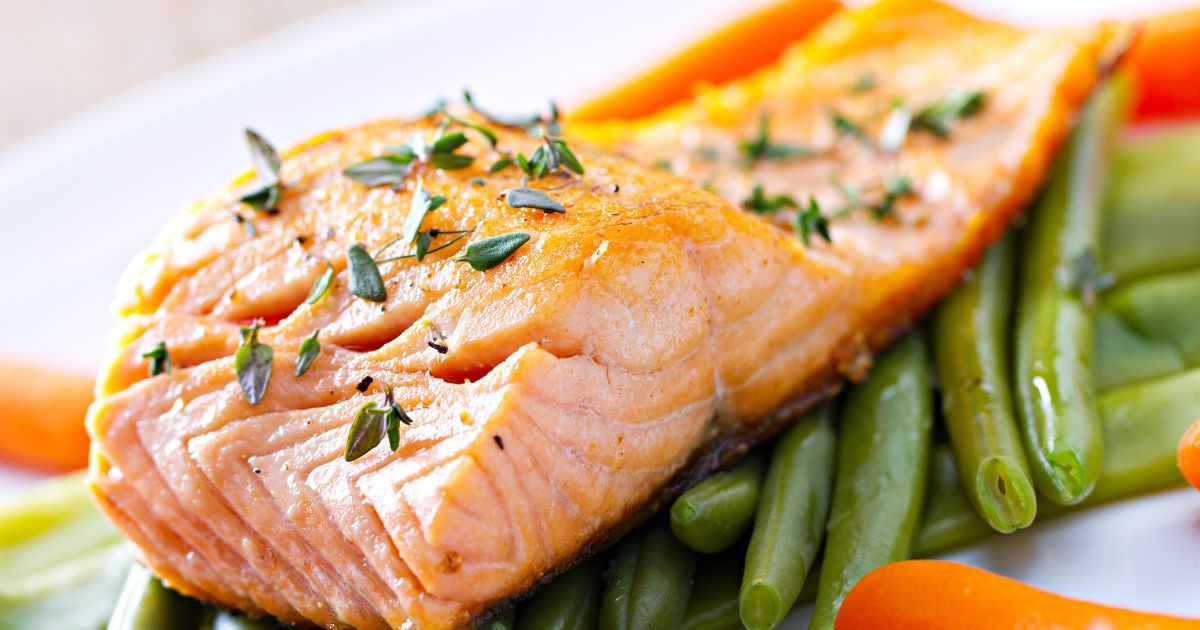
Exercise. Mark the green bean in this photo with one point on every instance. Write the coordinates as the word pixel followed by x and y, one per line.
pixel 1054 335
pixel 649 581
pixel 1151 221
pixel 713 514
pixel 570 602
pixel 790 522
pixel 1123 356
pixel 145 604
pixel 1142 424
pixel 881 470
pixel 1164 309
pixel 971 345
pixel 713 604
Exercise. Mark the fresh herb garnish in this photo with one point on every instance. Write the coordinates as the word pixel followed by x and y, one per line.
pixel 500 164
pixel 160 359
pixel 865 83
pixel 809 221
pixel 760 146
pixel 321 286
pixel 550 157
pixel 387 170
pixel 762 204
pixel 253 364
pixel 372 422
pixel 247 225
pixel 1085 277
pixel 266 165
pixel 528 122
pixel 489 252
pixel 480 129
pixel 532 198
pixel 442 153
pixel 422 204
pixel 894 188
pixel 936 118
pixel 309 349
pixel 365 280
pixel 845 127
pixel 441 348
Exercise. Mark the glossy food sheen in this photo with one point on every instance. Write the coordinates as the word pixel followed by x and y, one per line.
pixel 640 339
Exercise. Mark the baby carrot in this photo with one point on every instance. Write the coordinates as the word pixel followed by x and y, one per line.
pixel 936 595
pixel 41 415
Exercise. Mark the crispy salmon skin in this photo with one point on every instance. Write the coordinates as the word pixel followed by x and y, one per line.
pixel 594 369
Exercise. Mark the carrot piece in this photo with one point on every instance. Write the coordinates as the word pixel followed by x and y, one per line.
pixel 735 50
pixel 1189 455
pixel 936 595
pixel 1166 61
pixel 41 415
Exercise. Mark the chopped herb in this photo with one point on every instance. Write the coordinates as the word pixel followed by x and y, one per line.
pixel 365 280
pixel 388 170
pixel 762 204
pixel 372 422
pixel 440 347
pixel 500 164
pixel 936 118
pixel 321 286
pixel 896 187
pixel 477 181
pixel 865 83
pixel 422 204
pixel 532 198
pixel 253 364
pixel 811 221
pixel 760 146
pixel 1085 277
pixel 247 225
pixel 309 349
pixel 160 359
pixel 489 252
pixel 846 127
pixel 895 129
pixel 266 165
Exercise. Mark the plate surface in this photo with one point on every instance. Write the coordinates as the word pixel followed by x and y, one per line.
pixel 77 201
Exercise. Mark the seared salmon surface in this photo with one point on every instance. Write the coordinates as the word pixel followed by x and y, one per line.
pixel 648 334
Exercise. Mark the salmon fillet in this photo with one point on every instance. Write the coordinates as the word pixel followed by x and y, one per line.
pixel 644 337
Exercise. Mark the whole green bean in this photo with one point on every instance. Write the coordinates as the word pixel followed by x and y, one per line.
pixel 1054 335
pixel 145 604
pixel 1163 309
pixel 713 514
pixel 971 345
pixel 790 522
pixel 649 582
pixel 880 484
pixel 713 604
pixel 1123 356
pixel 1151 221
pixel 1142 424
pixel 570 602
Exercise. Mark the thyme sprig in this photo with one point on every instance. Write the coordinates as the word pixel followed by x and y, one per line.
pixel 371 422
pixel 761 147
pixel 267 165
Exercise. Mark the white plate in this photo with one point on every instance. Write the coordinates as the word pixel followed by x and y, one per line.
pixel 77 201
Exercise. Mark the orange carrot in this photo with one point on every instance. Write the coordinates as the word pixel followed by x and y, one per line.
pixel 1166 61
pixel 735 50
pixel 1189 455
pixel 940 595
pixel 41 415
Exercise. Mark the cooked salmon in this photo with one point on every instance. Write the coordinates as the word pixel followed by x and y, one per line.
pixel 647 332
